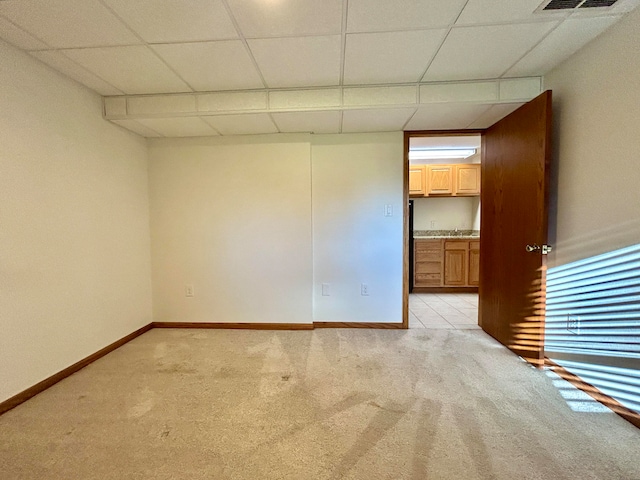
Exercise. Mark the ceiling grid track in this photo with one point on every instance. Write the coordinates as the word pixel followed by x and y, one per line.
pixel 435 54
pixel 270 115
pixel 85 69
pixel 343 55
pixel 50 48
pixel 533 47
pixel 210 126
pixel 243 39
pixel 404 126
pixel 249 67
pixel 145 44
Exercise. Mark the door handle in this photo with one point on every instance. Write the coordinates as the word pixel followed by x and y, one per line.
pixel 544 249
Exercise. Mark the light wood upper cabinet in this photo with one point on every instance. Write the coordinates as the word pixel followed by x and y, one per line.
pixel 417 180
pixel 444 180
pixel 467 179
pixel 440 179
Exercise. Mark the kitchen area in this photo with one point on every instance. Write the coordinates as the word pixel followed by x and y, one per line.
pixel 444 223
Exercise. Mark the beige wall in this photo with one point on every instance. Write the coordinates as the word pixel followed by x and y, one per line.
pixel 74 235
pixel 232 217
pixel 445 213
pixel 597 141
pixel 354 177
pixel 257 223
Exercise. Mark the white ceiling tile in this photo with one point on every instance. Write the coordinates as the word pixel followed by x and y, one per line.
pixel 254 123
pixel 375 120
pixel 68 23
pixel 391 57
pixel 165 21
pixel 564 41
pixel 58 61
pixel 179 126
pixel 133 69
pixel 494 114
pixel 443 116
pixel 207 66
pixel 377 15
pixel 314 122
pixel 287 17
pixel 138 128
pixel 298 62
pixel 484 52
pixel 495 11
pixel 18 37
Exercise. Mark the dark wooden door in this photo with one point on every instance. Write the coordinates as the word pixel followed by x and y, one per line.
pixel 515 176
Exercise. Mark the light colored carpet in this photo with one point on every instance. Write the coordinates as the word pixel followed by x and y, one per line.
pixel 323 404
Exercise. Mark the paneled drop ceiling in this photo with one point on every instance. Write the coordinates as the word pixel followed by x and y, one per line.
pixel 227 67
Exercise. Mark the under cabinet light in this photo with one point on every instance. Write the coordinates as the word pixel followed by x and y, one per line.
pixel 435 153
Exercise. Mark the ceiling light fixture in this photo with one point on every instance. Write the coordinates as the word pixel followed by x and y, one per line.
pixel 435 153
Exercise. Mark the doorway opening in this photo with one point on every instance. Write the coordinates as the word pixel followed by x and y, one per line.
pixel 443 171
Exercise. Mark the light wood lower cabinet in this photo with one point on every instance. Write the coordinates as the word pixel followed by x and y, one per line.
pixel 456 253
pixel 427 269
pixel 474 263
pixel 446 263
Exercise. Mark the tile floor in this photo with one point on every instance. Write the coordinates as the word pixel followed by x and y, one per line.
pixel 443 310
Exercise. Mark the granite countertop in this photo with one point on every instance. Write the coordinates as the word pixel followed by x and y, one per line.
pixel 427 234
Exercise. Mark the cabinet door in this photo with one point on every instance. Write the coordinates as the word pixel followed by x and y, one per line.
pixel 474 263
pixel 455 266
pixel 440 179
pixel 455 262
pixel 468 179
pixel 417 180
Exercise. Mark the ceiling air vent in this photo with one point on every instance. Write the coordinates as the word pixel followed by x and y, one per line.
pixel 574 4
pixel 562 4
pixel 597 3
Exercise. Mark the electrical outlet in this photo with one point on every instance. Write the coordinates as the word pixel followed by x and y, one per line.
pixel 573 324
pixel 325 290
pixel 433 224
pixel 188 291
pixel 364 289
